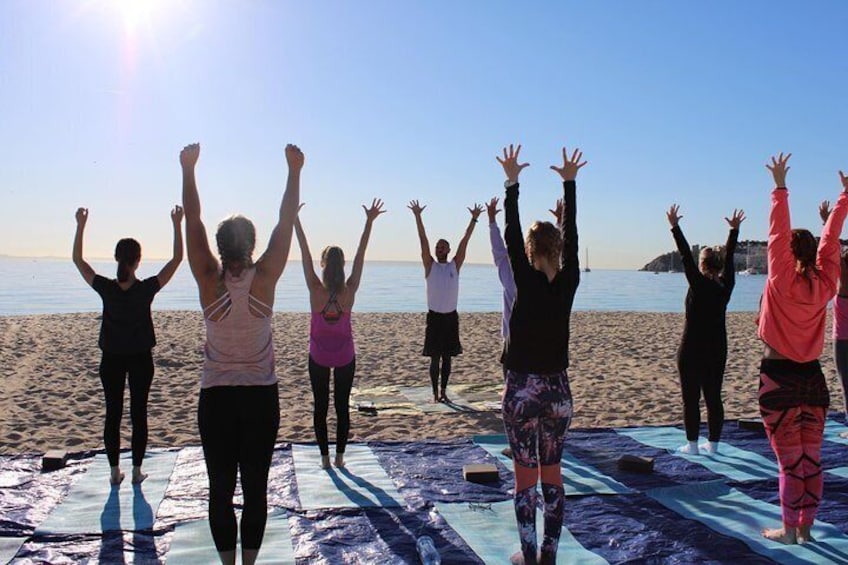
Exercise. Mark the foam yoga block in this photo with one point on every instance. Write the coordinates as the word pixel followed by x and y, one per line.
pixel 636 464
pixel 752 424
pixel 480 473
pixel 54 460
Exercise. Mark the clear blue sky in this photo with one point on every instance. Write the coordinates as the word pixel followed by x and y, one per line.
pixel 671 102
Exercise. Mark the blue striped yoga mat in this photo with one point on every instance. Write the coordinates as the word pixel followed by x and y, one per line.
pixel 735 514
pixel 422 397
pixel 491 531
pixel 731 462
pixel 577 477
pixel 9 547
pixel 832 430
pixel 191 543
pixel 361 483
pixel 93 506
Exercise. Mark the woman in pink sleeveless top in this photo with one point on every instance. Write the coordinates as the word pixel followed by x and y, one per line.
pixel 331 335
pixel 238 413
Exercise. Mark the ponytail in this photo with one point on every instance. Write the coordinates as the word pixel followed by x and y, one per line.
pixel 333 275
pixel 127 254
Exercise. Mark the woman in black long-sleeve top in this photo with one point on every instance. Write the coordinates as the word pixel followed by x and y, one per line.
pixel 703 346
pixel 537 404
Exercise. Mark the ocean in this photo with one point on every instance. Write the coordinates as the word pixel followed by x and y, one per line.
pixel 47 286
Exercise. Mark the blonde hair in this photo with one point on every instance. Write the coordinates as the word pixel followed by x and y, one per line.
pixel 333 275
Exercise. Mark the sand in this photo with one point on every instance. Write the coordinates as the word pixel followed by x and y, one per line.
pixel 622 373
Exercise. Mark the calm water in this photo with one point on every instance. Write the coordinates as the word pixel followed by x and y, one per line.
pixel 41 286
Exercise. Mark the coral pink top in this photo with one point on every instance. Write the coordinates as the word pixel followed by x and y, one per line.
pixel 793 310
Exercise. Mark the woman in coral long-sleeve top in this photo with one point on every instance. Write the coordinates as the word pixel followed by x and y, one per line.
pixel 793 395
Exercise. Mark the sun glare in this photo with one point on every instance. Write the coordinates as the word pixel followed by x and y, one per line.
pixel 139 13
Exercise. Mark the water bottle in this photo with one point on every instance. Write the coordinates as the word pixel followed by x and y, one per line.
pixel 427 552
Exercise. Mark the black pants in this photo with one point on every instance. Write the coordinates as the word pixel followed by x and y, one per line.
pixel 238 429
pixel 319 377
pixel 702 371
pixel 434 372
pixel 114 370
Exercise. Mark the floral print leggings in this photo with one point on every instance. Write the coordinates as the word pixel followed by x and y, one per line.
pixel 537 412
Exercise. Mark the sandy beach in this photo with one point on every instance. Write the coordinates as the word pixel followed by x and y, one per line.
pixel 622 373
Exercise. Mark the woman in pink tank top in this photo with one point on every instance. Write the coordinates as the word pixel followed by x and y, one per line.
pixel 331 335
pixel 238 412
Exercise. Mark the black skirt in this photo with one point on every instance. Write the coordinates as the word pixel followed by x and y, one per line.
pixel 442 335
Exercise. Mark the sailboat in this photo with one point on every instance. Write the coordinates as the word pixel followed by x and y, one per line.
pixel 587 269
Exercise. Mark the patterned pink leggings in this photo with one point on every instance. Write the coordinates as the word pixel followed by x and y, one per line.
pixel 795 435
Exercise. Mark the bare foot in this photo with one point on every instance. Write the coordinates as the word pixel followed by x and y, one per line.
pixel 325 461
pixel 444 398
pixel 844 435
pixel 137 476
pixel 804 534
pixel 339 462
pixel 781 535
pixel 116 476
pixel 436 399
pixel 516 558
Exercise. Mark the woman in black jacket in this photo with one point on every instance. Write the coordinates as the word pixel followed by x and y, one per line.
pixel 537 404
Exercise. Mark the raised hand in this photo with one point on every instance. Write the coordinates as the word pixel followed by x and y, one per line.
pixel 189 155
pixel 492 210
pixel 416 207
pixel 824 210
pixel 736 219
pixel 510 163
pixel 779 169
pixel 558 210
pixel 569 168
pixel 177 215
pixel 673 215
pixel 375 210
pixel 82 216
pixel 294 157
pixel 844 180
pixel 476 211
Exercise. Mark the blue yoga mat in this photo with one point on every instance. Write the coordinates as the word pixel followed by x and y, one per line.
pixel 9 547
pixel 491 531
pixel 731 462
pixel 732 513
pixel 93 506
pixel 361 483
pixel 832 430
pixel 577 477
pixel 422 397
pixel 192 543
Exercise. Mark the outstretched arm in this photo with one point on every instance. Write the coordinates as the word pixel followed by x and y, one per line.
pixel 312 280
pixel 426 257
pixel 371 214
pixel 177 257
pixel 829 256
pixel 84 268
pixel 689 266
pixel 270 266
pixel 734 222
pixel 203 264
pixel 512 231
pixel 459 258
pixel 781 260
pixel 568 173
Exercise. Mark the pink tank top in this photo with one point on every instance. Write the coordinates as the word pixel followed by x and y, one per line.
pixel 239 347
pixel 331 338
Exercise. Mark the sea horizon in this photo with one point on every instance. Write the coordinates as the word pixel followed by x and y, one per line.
pixel 46 286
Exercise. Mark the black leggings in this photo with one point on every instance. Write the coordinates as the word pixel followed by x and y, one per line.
pixel 238 429
pixel 434 372
pixel 319 377
pixel 113 374
pixel 702 373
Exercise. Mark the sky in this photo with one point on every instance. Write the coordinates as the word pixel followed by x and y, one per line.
pixel 671 102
